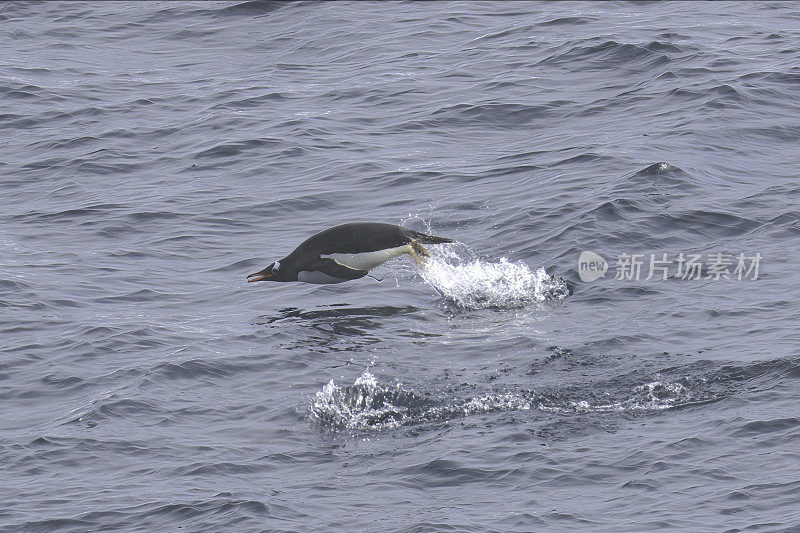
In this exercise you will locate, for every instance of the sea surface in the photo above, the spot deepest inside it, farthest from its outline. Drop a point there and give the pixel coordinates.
(152, 154)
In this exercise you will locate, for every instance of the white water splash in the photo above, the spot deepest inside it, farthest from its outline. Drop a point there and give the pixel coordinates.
(363, 405)
(474, 283)
(370, 405)
(653, 396)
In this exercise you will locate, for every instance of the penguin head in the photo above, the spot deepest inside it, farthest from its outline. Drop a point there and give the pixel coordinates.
(274, 272)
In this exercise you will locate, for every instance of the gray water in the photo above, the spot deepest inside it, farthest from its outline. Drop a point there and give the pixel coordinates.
(154, 154)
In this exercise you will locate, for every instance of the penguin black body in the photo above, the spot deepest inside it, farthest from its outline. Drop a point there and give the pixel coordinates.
(347, 252)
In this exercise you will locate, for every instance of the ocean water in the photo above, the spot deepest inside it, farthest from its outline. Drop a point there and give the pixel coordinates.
(152, 154)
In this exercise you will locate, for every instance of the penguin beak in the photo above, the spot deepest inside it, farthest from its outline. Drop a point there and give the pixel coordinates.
(260, 276)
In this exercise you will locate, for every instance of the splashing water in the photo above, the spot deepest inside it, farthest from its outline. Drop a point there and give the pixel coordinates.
(370, 405)
(365, 404)
(474, 283)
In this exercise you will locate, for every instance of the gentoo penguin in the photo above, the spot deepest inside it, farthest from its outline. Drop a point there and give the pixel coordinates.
(347, 252)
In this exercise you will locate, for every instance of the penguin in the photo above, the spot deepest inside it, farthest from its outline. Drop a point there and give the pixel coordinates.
(347, 252)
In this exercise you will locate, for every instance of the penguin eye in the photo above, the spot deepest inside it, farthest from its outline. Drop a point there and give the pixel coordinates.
(276, 267)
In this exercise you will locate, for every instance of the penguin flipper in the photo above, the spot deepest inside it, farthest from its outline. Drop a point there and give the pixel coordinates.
(338, 270)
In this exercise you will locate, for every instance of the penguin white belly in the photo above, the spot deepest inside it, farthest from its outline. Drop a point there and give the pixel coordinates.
(368, 260)
(313, 276)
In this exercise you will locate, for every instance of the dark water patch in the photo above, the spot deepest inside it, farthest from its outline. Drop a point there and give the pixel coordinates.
(140, 295)
(687, 95)
(55, 524)
(580, 159)
(130, 254)
(20, 327)
(253, 8)
(196, 369)
(788, 134)
(12, 285)
(449, 473)
(665, 47)
(516, 169)
(492, 113)
(522, 156)
(517, 30)
(727, 91)
(148, 216)
(66, 143)
(771, 77)
(401, 178)
(230, 149)
(610, 54)
(237, 266)
(114, 408)
(759, 428)
(115, 231)
(502, 85)
(769, 198)
(61, 381)
(52, 162)
(567, 21)
(341, 311)
(341, 329)
(224, 468)
(615, 210)
(710, 223)
(223, 508)
(21, 91)
(262, 211)
(253, 101)
(97, 168)
(785, 225)
(9, 117)
(189, 34)
(724, 97)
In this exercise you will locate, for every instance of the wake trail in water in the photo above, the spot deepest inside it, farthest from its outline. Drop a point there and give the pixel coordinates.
(471, 282)
(369, 404)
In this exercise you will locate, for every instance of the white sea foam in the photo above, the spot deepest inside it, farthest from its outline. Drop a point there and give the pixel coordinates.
(475, 283)
(365, 404)
(370, 405)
